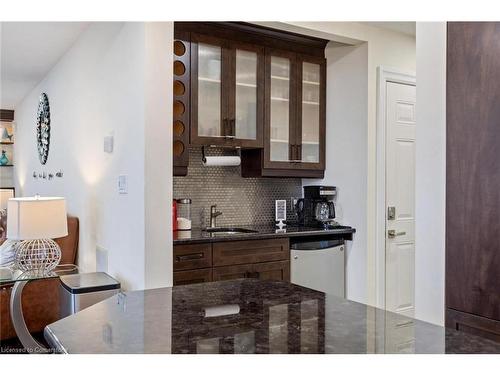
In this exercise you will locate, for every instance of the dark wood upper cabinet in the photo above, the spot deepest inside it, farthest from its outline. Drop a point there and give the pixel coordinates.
(473, 178)
(227, 92)
(260, 89)
(295, 118)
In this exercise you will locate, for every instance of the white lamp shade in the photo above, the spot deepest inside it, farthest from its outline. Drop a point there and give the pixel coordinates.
(34, 218)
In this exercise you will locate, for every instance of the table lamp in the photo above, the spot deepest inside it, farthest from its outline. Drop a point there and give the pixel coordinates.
(35, 221)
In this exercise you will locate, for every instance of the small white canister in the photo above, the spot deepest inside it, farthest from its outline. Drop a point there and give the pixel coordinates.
(184, 214)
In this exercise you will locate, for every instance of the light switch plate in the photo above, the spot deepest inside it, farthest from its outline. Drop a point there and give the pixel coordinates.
(108, 144)
(123, 184)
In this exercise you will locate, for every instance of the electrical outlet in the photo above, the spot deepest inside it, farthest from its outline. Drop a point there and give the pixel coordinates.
(101, 255)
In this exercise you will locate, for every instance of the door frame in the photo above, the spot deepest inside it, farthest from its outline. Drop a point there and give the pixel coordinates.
(384, 75)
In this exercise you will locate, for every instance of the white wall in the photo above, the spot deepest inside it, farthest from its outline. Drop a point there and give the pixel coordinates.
(158, 154)
(96, 89)
(430, 172)
(346, 153)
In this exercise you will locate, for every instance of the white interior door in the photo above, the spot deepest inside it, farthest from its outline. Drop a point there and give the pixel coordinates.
(400, 198)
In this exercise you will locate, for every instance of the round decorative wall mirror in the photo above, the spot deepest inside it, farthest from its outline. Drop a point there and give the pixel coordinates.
(43, 128)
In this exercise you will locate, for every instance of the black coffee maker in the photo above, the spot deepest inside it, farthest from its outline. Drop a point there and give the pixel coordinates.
(317, 208)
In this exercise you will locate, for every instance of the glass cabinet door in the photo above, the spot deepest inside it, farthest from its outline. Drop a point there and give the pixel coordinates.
(245, 122)
(229, 93)
(280, 109)
(209, 90)
(311, 83)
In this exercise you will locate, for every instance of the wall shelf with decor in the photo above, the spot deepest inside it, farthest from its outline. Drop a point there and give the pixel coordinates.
(7, 147)
(6, 154)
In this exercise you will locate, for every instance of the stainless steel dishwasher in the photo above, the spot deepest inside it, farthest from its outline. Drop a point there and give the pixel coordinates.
(319, 265)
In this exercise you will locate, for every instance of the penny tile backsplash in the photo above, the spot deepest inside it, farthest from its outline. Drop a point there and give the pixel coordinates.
(243, 201)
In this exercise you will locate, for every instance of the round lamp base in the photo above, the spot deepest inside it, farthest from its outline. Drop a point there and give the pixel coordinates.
(37, 255)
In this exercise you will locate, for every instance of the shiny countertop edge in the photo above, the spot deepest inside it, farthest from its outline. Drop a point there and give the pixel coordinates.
(200, 237)
(53, 342)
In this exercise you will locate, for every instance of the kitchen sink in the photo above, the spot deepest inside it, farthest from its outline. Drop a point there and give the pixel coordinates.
(229, 230)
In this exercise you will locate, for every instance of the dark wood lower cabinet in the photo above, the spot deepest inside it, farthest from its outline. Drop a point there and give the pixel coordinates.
(193, 276)
(473, 324)
(265, 271)
(190, 257)
(262, 259)
(249, 252)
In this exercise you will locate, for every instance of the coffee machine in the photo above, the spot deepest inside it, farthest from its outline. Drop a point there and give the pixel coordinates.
(317, 208)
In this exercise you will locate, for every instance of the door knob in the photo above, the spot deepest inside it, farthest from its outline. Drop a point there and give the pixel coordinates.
(391, 233)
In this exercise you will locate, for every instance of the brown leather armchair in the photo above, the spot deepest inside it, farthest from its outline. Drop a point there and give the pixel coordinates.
(40, 298)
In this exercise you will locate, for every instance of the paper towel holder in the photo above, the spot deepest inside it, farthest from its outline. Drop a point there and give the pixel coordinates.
(204, 159)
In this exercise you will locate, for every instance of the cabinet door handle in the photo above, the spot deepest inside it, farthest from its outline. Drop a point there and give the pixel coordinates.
(225, 126)
(252, 275)
(232, 123)
(294, 154)
(195, 256)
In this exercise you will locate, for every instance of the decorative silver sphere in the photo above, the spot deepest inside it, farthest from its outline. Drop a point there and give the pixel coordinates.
(37, 255)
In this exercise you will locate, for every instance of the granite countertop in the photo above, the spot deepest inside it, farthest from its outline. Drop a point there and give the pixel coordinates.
(262, 232)
(273, 317)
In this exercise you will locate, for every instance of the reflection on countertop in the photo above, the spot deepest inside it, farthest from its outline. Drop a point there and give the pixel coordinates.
(260, 232)
(249, 316)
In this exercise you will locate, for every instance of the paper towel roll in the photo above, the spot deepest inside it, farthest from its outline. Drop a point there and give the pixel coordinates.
(222, 161)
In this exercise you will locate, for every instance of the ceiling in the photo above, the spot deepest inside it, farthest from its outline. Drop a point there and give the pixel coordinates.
(28, 51)
(402, 27)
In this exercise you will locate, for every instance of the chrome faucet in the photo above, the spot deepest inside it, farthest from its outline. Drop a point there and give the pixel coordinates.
(213, 215)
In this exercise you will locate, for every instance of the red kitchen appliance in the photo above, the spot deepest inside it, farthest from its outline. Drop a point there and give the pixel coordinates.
(174, 215)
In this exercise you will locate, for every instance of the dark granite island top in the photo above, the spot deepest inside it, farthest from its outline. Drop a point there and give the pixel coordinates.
(261, 232)
(262, 317)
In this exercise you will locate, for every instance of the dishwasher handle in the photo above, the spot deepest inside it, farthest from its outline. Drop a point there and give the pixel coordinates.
(317, 245)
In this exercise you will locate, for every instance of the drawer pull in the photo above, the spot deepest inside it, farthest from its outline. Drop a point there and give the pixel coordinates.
(181, 258)
(252, 275)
